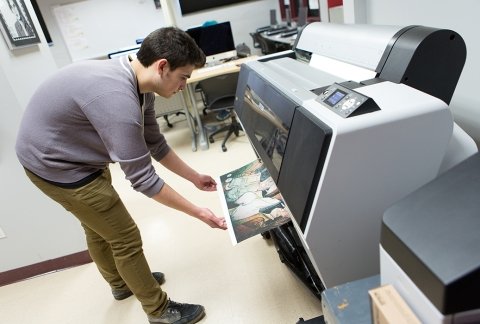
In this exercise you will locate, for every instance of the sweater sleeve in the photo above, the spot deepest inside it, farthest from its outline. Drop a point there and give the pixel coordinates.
(154, 139)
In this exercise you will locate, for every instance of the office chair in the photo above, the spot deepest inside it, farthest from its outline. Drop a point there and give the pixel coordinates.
(256, 42)
(218, 93)
(267, 46)
(169, 106)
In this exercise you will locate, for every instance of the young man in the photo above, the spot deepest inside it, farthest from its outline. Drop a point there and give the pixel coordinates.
(94, 113)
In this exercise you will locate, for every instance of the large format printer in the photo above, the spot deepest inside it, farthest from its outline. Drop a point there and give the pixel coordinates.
(349, 121)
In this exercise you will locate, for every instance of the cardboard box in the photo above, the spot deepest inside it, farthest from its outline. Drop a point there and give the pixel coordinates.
(388, 307)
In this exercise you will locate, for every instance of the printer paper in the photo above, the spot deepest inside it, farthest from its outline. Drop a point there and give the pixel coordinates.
(251, 202)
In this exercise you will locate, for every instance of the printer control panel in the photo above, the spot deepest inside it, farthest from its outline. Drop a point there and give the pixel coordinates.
(346, 102)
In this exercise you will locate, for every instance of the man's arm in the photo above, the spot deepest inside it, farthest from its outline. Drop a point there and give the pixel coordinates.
(169, 197)
(175, 164)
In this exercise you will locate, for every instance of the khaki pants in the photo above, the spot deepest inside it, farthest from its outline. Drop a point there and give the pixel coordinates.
(113, 239)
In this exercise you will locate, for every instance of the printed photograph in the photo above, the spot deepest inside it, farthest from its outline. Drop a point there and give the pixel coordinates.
(16, 24)
(252, 201)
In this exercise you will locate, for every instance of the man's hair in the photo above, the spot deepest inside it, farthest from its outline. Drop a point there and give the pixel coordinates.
(172, 44)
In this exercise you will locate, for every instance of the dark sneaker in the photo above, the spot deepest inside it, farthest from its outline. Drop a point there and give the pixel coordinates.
(222, 115)
(177, 313)
(122, 294)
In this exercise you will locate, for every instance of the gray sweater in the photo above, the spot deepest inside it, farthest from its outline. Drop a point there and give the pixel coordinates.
(86, 116)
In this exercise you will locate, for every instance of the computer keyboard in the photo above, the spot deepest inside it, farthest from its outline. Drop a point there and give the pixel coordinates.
(264, 28)
(289, 33)
(270, 28)
(233, 58)
(275, 31)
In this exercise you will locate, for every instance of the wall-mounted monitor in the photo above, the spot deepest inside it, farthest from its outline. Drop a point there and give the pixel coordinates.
(190, 6)
(216, 41)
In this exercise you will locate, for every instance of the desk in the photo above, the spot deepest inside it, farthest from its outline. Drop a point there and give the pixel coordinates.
(189, 95)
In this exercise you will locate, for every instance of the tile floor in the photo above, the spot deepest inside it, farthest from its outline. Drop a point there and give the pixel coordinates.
(243, 284)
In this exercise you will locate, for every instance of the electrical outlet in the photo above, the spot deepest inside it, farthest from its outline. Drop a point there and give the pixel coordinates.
(2, 233)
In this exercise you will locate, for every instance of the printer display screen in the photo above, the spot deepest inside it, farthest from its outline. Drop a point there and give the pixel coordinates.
(335, 97)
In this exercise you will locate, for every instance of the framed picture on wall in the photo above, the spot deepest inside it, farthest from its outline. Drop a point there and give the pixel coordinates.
(16, 24)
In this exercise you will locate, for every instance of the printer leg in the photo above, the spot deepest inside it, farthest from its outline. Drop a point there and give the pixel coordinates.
(292, 253)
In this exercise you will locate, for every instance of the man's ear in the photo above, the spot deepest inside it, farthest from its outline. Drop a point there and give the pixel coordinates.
(161, 65)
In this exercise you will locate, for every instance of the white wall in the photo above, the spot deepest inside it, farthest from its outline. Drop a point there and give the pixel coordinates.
(142, 16)
(36, 229)
(460, 16)
(93, 28)
(244, 17)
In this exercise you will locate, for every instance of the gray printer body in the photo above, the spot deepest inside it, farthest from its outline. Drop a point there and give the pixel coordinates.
(351, 120)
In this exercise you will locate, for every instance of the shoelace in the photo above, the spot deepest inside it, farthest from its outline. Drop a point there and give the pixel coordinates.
(172, 311)
(172, 307)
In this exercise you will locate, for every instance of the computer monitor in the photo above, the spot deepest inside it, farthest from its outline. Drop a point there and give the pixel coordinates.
(124, 51)
(216, 41)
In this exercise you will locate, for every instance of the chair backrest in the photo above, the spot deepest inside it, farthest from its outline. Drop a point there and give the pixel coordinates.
(255, 36)
(267, 46)
(219, 87)
(166, 106)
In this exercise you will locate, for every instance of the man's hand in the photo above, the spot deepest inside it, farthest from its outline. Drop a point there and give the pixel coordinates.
(209, 218)
(205, 183)
(169, 197)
